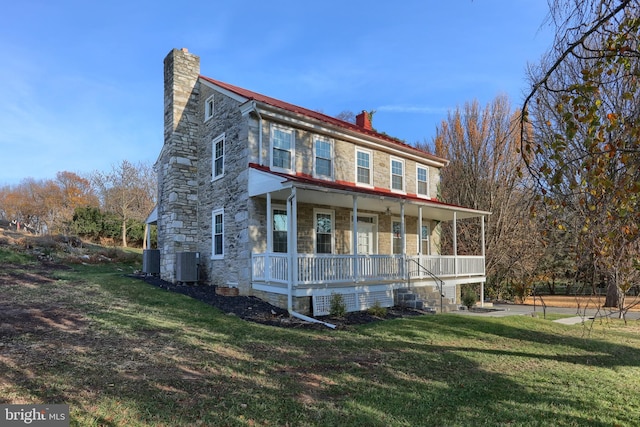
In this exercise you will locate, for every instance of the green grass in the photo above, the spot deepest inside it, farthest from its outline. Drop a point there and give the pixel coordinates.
(14, 257)
(121, 352)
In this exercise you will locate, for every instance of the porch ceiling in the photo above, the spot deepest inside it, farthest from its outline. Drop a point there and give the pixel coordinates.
(368, 199)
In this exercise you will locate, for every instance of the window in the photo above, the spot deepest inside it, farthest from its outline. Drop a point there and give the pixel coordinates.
(396, 229)
(283, 152)
(397, 174)
(217, 150)
(208, 108)
(218, 233)
(422, 181)
(324, 231)
(323, 155)
(363, 167)
(279, 230)
(424, 240)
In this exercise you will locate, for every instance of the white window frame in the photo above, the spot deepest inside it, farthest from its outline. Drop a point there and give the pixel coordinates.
(273, 209)
(421, 240)
(292, 150)
(316, 174)
(214, 214)
(403, 176)
(315, 228)
(426, 168)
(393, 238)
(215, 142)
(370, 154)
(209, 108)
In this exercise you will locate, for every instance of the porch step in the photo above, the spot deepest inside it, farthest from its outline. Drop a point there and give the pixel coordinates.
(404, 297)
(431, 300)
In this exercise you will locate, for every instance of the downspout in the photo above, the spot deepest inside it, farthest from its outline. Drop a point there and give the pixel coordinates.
(292, 240)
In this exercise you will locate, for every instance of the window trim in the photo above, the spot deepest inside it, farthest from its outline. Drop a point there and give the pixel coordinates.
(209, 108)
(315, 228)
(418, 193)
(215, 141)
(403, 176)
(420, 239)
(273, 209)
(214, 214)
(292, 150)
(329, 141)
(370, 154)
(402, 249)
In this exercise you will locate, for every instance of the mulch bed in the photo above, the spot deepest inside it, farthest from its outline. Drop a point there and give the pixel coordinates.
(254, 309)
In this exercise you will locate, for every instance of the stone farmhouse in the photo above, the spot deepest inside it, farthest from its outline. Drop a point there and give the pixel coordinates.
(265, 198)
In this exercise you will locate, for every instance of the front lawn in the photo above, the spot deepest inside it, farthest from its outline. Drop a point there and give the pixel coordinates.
(121, 352)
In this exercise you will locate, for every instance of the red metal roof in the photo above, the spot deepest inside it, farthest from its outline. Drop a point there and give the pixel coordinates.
(318, 116)
(349, 186)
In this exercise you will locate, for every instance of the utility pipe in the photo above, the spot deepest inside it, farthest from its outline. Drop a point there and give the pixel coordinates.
(291, 241)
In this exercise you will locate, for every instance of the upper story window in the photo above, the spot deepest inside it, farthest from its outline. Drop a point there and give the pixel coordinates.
(324, 230)
(422, 181)
(363, 167)
(397, 174)
(323, 154)
(208, 108)
(217, 220)
(217, 156)
(282, 148)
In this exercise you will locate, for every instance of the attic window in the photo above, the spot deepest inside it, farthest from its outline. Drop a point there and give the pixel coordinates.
(208, 108)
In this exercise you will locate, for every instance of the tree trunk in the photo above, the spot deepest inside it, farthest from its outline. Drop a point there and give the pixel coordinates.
(144, 238)
(613, 295)
(124, 233)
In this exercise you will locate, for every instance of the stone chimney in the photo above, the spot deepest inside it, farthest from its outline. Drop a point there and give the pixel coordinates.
(177, 165)
(364, 120)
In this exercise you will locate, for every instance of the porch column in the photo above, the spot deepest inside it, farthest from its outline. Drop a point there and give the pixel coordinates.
(403, 240)
(146, 244)
(420, 232)
(267, 258)
(354, 238)
(455, 242)
(292, 245)
(484, 272)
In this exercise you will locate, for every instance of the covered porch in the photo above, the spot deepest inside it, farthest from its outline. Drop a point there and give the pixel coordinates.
(384, 241)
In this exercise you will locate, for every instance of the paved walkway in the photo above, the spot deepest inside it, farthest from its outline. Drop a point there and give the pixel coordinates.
(579, 316)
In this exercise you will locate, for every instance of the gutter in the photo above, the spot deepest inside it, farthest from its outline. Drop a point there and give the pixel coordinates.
(291, 215)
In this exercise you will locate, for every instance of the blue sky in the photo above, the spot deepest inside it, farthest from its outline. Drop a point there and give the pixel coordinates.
(81, 81)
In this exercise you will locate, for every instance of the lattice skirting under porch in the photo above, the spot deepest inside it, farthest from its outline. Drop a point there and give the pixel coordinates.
(354, 301)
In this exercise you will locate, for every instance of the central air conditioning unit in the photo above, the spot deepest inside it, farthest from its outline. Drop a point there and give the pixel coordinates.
(187, 264)
(151, 261)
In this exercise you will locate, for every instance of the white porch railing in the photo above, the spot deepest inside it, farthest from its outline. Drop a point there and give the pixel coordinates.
(326, 269)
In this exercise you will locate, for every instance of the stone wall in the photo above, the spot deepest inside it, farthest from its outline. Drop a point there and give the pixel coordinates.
(177, 165)
(228, 192)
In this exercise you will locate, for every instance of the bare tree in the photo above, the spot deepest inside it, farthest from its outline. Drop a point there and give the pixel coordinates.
(128, 190)
(482, 147)
(583, 149)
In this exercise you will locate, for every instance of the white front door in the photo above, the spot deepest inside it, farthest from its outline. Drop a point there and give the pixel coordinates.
(367, 235)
